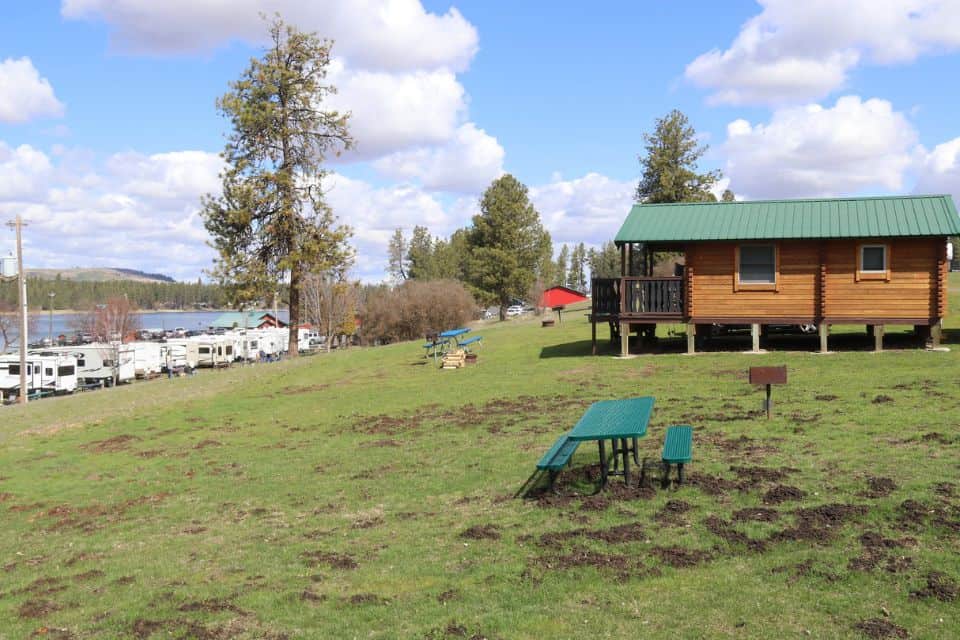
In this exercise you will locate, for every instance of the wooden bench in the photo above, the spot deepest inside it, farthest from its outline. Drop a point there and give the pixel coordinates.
(558, 456)
(677, 450)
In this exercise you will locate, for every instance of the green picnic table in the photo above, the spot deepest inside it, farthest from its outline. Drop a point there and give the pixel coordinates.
(622, 422)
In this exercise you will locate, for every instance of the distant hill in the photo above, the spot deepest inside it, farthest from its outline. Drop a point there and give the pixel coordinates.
(104, 274)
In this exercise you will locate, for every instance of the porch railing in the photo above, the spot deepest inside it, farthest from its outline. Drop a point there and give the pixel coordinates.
(638, 296)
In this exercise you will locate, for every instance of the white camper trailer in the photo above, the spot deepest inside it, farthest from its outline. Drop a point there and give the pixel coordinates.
(102, 363)
(179, 354)
(146, 359)
(214, 351)
(50, 373)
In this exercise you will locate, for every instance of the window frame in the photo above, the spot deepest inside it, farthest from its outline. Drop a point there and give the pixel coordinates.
(739, 285)
(882, 274)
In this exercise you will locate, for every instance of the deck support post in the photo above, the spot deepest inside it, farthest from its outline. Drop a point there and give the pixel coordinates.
(755, 336)
(691, 338)
(593, 333)
(624, 339)
(878, 337)
(824, 330)
(936, 333)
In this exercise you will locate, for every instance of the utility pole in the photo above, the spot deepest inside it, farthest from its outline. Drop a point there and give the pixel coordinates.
(18, 225)
(51, 295)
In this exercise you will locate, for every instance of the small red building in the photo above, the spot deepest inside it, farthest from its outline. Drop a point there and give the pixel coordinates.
(560, 297)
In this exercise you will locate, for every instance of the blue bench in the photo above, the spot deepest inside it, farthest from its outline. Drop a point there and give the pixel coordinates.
(677, 450)
(558, 456)
(466, 343)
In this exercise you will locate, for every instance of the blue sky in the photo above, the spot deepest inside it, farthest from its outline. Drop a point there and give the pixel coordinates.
(108, 133)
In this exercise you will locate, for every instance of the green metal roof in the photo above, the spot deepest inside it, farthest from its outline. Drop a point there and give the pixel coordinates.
(236, 319)
(891, 216)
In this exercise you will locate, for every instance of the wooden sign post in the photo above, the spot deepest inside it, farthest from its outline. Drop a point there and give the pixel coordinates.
(768, 376)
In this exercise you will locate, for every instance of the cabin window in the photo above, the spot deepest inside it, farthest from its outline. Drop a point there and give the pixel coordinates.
(65, 370)
(758, 264)
(873, 262)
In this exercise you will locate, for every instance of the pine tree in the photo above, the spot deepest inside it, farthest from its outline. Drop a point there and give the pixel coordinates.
(561, 270)
(670, 164)
(271, 221)
(397, 256)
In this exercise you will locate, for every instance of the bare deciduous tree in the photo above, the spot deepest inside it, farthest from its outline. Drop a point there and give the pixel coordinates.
(116, 319)
(10, 326)
(330, 304)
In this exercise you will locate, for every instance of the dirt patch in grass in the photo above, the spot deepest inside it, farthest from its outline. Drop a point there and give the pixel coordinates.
(916, 515)
(672, 513)
(111, 445)
(93, 574)
(382, 443)
(630, 532)
(481, 532)
(314, 388)
(93, 517)
(818, 524)
(52, 633)
(210, 605)
(725, 530)
(448, 596)
(944, 489)
(714, 485)
(37, 609)
(939, 585)
(782, 493)
(825, 397)
(203, 444)
(330, 559)
(803, 570)
(142, 628)
(936, 436)
(312, 596)
(368, 523)
(878, 488)
(681, 557)
(4, 496)
(755, 514)
(622, 565)
(880, 628)
(882, 399)
(455, 629)
(366, 598)
(757, 475)
(83, 557)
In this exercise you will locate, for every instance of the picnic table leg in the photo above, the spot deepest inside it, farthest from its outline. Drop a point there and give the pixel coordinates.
(626, 461)
(636, 460)
(615, 455)
(603, 463)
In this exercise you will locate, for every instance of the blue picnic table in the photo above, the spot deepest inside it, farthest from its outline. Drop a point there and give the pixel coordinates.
(622, 422)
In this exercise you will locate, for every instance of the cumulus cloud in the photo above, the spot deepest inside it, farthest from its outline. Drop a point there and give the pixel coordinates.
(24, 95)
(466, 163)
(589, 209)
(816, 151)
(132, 210)
(798, 51)
(939, 170)
(373, 34)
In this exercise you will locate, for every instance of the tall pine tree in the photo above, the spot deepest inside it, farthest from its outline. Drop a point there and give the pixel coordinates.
(670, 172)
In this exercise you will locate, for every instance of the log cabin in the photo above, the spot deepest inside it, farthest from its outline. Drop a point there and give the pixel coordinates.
(871, 261)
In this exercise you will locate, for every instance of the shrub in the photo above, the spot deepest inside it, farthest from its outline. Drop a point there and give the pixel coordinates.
(416, 308)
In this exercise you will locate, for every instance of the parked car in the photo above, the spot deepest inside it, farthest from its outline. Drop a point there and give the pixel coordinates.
(514, 310)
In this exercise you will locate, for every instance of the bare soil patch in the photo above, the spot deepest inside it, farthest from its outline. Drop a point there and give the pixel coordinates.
(203, 444)
(882, 399)
(783, 493)
(818, 524)
(672, 513)
(211, 605)
(630, 532)
(880, 628)
(37, 608)
(725, 530)
(111, 445)
(944, 489)
(481, 532)
(757, 475)
(447, 596)
(681, 557)
(330, 559)
(382, 443)
(367, 598)
(825, 397)
(878, 488)
(939, 585)
(755, 514)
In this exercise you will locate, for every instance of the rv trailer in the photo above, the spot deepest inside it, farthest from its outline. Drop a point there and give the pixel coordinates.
(52, 373)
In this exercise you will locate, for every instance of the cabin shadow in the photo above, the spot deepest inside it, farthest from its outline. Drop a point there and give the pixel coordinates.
(951, 336)
(576, 349)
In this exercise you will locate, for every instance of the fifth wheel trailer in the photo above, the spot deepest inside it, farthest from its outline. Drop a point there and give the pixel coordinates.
(56, 373)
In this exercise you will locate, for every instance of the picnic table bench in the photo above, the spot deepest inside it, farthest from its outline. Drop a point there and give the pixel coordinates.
(677, 450)
(558, 456)
(464, 344)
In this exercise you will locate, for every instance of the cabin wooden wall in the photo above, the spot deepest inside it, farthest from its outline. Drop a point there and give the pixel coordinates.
(817, 280)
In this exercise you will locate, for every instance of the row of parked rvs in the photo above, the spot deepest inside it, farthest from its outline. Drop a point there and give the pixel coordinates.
(60, 370)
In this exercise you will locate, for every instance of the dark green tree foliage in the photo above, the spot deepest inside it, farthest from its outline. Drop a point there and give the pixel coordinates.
(577, 275)
(605, 261)
(562, 261)
(507, 244)
(670, 172)
(397, 256)
(271, 221)
(420, 263)
(84, 294)
(728, 196)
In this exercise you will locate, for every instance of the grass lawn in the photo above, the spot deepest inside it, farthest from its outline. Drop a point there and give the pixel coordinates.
(367, 494)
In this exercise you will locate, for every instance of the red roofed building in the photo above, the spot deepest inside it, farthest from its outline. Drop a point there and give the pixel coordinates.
(560, 297)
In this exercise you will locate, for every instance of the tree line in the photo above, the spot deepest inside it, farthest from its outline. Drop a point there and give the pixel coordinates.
(82, 295)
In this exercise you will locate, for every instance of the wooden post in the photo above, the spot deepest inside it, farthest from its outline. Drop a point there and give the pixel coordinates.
(623, 261)
(824, 330)
(593, 333)
(755, 336)
(691, 338)
(624, 339)
(878, 337)
(936, 332)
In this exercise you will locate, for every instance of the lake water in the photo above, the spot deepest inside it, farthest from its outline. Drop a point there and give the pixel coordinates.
(66, 323)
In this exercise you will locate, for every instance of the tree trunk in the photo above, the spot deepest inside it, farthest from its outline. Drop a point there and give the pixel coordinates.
(293, 344)
(503, 312)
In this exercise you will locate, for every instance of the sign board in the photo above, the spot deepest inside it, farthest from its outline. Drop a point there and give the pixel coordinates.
(8, 266)
(768, 375)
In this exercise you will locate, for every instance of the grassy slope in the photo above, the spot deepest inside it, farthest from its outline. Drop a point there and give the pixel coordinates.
(224, 504)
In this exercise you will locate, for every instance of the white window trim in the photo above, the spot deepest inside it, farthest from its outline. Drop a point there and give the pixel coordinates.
(768, 283)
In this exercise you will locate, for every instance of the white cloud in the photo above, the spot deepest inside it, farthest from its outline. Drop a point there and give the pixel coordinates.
(588, 209)
(797, 51)
(131, 210)
(939, 170)
(467, 163)
(817, 151)
(374, 34)
(24, 95)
